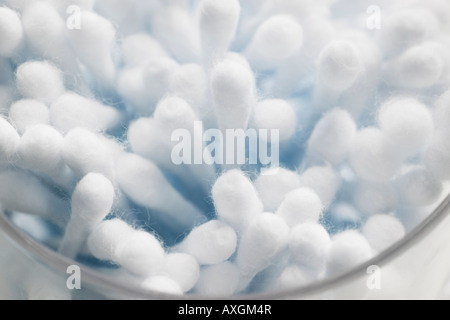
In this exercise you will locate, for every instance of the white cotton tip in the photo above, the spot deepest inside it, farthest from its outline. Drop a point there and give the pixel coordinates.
(345, 213)
(291, 278)
(26, 113)
(373, 156)
(11, 32)
(40, 149)
(182, 268)
(407, 123)
(9, 140)
(38, 199)
(218, 25)
(419, 187)
(40, 80)
(339, 66)
(236, 200)
(141, 254)
(173, 113)
(218, 280)
(190, 83)
(301, 206)
(137, 49)
(157, 77)
(162, 284)
(419, 67)
(144, 183)
(348, 249)
(273, 188)
(325, 181)
(276, 115)
(92, 201)
(152, 147)
(332, 137)
(266, 236)
(84, 152)
(174, 27)
(93, 43)
(106, 237)
(46, 31)
(405, 28)
(276, 39)
(130, 86)
(375, 198)
(441, 112)
(309, 244)
(438, 154)
(232, 87)
(71, 110)
(211, 243)
(383, 231)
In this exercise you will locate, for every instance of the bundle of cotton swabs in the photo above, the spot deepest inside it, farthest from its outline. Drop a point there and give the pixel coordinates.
(100, 98)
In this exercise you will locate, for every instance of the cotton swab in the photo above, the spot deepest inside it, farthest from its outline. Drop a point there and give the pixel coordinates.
(274, 186)
(145, 184)
(236, 200)
(182, 268)
(84, 152)
(92, 201)
(9, 140)
(40, 149)
(211, 243)
(348, 250)
(324, 181)
(46, 33)
(175, 29)
(39, 200)
(233, 94)
(137, 49)
(309, 244)
(419, 67)
(266, 236)
(278, 38)
(276, 114)
(24, 114)
(301, 206)
(375, 198)
(332, 137)
(339, 66)
(93, 44)
(218, 24)
(162, 285)
(373, 156)
(382, 231)
(40, 80)
(71, 111)
(11, 32)
(418, 186)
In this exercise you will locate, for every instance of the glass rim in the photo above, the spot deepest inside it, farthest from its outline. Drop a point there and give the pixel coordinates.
(123, 290)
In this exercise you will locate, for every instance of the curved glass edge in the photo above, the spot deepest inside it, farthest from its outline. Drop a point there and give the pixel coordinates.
(103, 284)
